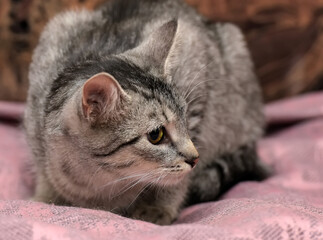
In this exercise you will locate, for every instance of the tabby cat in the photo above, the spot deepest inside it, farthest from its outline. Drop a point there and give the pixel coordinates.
(124, 101)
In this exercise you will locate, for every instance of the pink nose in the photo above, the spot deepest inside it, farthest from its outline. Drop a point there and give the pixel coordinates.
(196, 161)
(192, 162)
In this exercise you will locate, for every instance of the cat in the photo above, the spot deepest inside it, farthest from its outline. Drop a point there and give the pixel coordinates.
(140, 108)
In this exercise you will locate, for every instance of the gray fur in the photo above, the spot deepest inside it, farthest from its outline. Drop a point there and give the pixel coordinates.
(174, 70)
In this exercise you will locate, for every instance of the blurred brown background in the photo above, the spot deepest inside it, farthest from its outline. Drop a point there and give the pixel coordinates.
(285, 38)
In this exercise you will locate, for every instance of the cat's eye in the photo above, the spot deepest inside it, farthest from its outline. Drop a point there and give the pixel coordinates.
(157, 135)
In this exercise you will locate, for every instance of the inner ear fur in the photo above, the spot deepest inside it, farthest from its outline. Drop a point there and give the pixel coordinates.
(102, 97)
(158, 49)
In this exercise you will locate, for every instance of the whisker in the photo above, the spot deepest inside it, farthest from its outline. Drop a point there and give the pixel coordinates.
(129, 186)
(121, 179)
(148, 184)
(192, 100)
(196, 75)
(93, 175)
(133, 184)
(162, 176)
(198, 84)
(114, 183)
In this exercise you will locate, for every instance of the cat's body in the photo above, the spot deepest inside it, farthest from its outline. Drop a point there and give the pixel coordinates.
(101, 80)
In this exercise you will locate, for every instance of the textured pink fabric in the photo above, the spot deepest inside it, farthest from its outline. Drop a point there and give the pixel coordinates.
(288, 205)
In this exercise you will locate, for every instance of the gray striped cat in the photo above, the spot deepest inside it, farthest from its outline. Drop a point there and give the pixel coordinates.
(124, 100)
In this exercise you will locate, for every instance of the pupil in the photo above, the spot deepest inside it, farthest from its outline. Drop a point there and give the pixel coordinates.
(154, 134)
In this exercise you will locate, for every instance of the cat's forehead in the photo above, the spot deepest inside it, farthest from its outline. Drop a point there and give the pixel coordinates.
(152, 113)
(149, 87)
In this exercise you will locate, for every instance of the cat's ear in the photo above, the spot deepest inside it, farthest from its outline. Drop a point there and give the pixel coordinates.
(102, 97)
(154, 52)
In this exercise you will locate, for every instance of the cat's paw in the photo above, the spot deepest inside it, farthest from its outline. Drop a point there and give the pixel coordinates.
(157, 215)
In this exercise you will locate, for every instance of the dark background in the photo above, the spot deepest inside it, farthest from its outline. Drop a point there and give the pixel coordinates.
(285, 38)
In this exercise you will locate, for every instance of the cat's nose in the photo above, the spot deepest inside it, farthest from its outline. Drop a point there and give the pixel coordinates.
(192, 161)
(190, 153)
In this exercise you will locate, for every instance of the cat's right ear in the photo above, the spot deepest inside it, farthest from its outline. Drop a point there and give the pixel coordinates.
(102, 98)
(157, 50)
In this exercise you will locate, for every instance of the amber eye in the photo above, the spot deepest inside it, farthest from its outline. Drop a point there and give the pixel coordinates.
(156, 136)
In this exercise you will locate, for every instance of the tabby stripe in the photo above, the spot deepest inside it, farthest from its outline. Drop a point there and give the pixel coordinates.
(165, 117)
(120, 166)
(128, 75)
(133, 141)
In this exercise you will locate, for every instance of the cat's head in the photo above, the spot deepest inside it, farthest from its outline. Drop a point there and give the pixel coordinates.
(128, 118)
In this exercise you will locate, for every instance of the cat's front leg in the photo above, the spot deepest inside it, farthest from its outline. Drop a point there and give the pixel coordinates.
(219, 174)
(161, 206)
(161, 215)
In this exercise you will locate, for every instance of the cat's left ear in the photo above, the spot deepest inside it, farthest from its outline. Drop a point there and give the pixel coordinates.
(157, 51)
(102, 97)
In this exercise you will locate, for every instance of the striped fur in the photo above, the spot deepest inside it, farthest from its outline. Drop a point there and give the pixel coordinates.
(177, 71)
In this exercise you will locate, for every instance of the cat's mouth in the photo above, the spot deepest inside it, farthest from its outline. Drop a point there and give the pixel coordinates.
(177, 172)
(174, 177)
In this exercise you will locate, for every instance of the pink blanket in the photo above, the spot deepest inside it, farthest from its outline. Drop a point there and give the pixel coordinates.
(288, 205)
